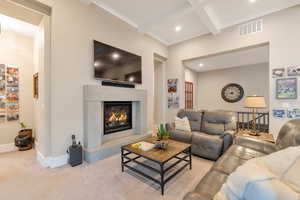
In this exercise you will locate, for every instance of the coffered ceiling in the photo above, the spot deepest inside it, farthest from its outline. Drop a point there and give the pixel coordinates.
(191, 18)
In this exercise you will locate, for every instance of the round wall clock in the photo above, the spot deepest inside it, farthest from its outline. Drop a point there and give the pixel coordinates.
(232, 93)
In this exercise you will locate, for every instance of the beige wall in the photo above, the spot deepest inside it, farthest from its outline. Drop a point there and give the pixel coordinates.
(281, 30)
(74, 26)
(253, 79)
(17, 50)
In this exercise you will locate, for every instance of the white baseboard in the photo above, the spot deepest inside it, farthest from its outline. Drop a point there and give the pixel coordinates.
(52, 162)
(8, 148)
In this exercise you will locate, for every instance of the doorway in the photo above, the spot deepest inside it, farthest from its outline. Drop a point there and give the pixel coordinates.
(25, 34)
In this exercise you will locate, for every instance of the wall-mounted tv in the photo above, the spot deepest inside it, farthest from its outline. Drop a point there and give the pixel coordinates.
(114, 64)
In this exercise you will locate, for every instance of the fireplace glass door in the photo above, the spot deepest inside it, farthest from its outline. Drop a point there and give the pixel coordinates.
(117, 116)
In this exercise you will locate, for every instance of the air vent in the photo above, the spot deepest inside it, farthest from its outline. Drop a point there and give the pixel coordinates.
(251, 27)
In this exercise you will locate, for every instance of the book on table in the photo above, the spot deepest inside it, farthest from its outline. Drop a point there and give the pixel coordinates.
(145, 146)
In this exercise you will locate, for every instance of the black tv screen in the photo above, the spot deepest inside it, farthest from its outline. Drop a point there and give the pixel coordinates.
(111, 63)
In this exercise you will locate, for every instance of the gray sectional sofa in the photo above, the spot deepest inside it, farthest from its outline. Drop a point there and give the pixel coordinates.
(243, 150)
(212, 132)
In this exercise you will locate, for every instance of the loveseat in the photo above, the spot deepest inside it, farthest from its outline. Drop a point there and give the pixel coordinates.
(243, 150)
(212, 132)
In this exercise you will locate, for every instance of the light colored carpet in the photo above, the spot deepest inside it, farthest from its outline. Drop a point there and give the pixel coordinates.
(21, 177)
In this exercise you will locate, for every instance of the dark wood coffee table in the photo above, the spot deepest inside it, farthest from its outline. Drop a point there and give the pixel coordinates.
(176, 150)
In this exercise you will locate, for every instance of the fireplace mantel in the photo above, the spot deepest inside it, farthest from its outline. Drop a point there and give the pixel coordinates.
(97, 145)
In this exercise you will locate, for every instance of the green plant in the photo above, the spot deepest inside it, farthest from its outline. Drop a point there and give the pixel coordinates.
(23, 126)
(162, 132)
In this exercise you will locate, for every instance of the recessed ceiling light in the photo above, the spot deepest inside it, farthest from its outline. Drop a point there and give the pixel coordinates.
(201, 64)
(97, 63)
(178, 28)
(252, 1)
(115, 56)
(131, 79)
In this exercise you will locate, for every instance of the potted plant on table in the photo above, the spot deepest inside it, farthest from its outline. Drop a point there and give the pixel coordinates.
(24, 139)
(162, 137)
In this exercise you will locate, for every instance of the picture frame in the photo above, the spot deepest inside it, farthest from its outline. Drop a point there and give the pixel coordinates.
(36, 85)
(172, 85)
(286, 88)
(278, 72)
(293, 113)
(293, 71)
(279, 113)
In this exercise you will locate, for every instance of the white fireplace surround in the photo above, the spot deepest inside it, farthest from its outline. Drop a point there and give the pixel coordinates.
(97, 145)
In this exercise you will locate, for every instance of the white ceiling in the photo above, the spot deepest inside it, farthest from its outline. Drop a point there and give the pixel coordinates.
(245, 57)
(158, 18)
(18, 26)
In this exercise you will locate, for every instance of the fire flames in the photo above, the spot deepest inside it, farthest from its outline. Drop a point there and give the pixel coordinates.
(117, 117)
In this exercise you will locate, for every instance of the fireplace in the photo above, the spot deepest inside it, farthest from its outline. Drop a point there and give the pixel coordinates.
(117, 116)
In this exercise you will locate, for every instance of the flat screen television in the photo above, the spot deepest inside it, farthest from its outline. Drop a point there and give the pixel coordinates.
(115, 64)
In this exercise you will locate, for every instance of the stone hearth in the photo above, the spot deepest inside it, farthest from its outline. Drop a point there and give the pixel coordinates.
(97, 145)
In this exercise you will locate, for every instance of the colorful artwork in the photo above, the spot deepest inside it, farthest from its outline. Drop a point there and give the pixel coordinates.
(278, 73)
(2, 79)
(2, 117)
(12, 77)
(293, 71)
(173, 100)
(172, 85)
(173, 97)
(279, 113)
(12, 110)
(286, 88)
(293, 113)
(2, 109)
(12, 95)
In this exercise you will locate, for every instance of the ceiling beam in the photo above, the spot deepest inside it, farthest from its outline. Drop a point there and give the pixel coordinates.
(208, 21)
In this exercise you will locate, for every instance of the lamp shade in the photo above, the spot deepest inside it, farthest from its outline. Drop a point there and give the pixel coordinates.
(255, 102)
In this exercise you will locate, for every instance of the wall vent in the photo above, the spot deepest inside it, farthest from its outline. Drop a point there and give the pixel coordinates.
(251, 27)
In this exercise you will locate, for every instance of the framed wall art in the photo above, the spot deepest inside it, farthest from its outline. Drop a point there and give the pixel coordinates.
(293, 71)
(286, 88)
(173, 96)
(278, 72)
(279, 113)
(36, 85)
(293, 113)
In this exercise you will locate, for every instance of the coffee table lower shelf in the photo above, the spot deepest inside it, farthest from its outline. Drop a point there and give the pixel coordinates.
(187, 158)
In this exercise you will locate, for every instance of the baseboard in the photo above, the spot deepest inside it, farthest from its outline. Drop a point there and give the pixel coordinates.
(8, 148)
(52, 162)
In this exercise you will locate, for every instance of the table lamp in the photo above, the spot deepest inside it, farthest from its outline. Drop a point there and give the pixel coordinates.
(254, 103)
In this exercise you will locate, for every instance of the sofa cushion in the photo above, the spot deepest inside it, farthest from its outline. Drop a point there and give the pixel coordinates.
(228, 163)
(212, 128)
(244, 152)
(207, 146)
(195, 118)
(182, 136)
(216, 122)
(211, 183)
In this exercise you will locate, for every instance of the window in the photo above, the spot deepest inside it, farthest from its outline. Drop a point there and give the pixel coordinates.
(189, 95)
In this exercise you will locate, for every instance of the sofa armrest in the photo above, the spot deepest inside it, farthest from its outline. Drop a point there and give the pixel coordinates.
(195, 196)
(255, 144)
(227, 140)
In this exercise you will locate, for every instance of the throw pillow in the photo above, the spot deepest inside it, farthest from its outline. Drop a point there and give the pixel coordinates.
(182, 124)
